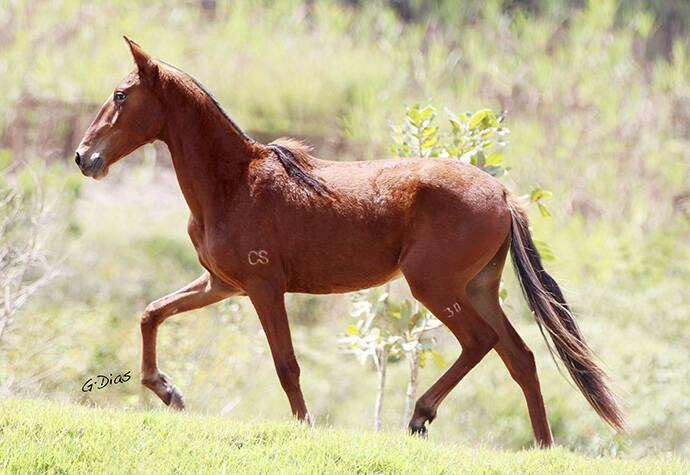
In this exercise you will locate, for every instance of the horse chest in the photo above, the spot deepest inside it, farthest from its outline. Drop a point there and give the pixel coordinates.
(234, 254)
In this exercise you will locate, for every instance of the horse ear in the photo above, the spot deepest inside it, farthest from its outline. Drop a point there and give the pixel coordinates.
(147, 66)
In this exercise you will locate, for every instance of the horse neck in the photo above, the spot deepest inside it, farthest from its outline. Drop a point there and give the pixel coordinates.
(208, 152)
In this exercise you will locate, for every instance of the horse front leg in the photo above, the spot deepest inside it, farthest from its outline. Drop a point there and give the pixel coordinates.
(270, 306)
(205, 290)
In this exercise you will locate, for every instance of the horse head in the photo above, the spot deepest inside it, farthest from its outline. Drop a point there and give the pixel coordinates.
(131, 117)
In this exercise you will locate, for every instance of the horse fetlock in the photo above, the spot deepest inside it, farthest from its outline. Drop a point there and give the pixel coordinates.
(162, 385)
(150, 381)
(423, 412)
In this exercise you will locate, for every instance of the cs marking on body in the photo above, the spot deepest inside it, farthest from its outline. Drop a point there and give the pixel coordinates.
(259, 256)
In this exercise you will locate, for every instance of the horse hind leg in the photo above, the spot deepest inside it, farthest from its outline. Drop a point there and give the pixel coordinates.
(475, 336)
(518, 358)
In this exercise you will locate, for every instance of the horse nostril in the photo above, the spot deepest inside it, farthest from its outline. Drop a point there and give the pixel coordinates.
(77, 158)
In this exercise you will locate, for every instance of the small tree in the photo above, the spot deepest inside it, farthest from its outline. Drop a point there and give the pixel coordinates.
(387, 329)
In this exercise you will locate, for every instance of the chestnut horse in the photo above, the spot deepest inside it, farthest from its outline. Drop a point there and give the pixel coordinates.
(271, 219)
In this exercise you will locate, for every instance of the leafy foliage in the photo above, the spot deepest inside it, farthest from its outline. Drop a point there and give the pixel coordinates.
(469, 140)
(401, 333)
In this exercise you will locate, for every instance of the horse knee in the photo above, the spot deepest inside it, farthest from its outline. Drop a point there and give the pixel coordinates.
(150, 317)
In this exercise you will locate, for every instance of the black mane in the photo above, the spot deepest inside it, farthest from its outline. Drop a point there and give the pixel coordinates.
(292, 166)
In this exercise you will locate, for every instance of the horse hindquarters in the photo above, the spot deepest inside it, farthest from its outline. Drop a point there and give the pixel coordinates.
(452, 242)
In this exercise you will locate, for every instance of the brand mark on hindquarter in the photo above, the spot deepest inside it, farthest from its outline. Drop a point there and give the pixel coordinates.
(259, 256)
(452, 310)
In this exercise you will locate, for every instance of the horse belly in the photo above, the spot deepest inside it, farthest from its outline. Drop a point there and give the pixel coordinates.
(344, 264)
(340, 280)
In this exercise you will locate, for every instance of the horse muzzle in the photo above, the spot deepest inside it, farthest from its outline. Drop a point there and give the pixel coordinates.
(92, 166)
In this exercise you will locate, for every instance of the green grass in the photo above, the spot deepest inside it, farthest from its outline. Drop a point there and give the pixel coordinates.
(48, 437)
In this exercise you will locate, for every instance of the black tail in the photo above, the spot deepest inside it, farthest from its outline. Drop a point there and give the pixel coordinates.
(551, 311)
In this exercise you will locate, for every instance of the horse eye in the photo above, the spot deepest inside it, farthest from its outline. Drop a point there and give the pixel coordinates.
(119, 96)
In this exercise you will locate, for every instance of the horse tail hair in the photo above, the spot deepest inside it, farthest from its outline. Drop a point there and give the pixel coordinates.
(552, 312)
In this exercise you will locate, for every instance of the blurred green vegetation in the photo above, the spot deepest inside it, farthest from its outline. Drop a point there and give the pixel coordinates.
(598, 99)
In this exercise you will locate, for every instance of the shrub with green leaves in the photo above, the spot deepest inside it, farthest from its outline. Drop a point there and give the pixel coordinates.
(472, 137)
(388, 330)
(400, 331)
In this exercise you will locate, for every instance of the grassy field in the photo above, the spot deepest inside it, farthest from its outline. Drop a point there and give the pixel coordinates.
(48, 437)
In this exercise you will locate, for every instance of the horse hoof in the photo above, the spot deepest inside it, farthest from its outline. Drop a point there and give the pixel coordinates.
(175, 398)
(307, 420)
(166, 390)
(419, 431)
